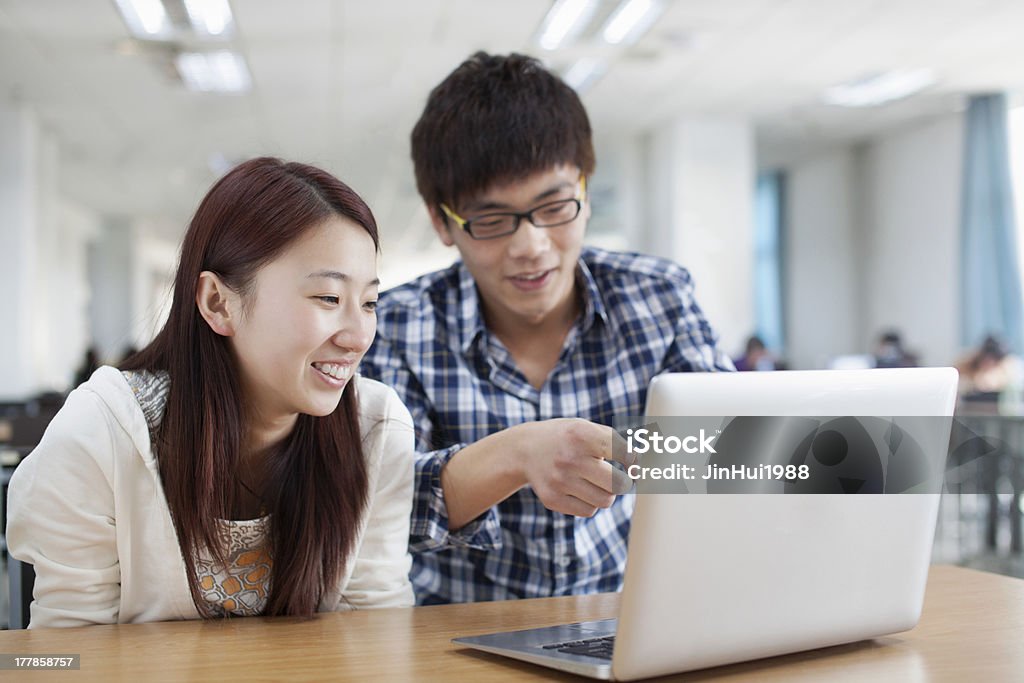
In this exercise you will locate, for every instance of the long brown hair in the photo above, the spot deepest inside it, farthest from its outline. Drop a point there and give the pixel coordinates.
(317, 480)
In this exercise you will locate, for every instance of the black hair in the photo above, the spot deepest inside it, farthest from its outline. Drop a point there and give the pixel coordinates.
(494, 119)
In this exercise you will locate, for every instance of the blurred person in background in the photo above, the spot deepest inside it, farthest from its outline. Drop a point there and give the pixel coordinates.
(890, 352)
(90, 363)
(988, 371)
(756, 357)
(127, 352)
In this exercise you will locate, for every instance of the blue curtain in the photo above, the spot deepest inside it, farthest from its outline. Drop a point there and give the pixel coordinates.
(768, 260)
(990, 275)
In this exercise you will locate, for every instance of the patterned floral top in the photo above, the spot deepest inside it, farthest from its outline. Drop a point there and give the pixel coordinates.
(241, 588)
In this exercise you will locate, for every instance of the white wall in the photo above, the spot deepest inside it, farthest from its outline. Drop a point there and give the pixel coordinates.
(617, 194)
(43, 272)
(67, 279)
(19, 154)
(699, 212)
(872, 243)
(821, 260)
(111, 281)
(46, 286)
(911, 268)
(131, 272)
(155, 262)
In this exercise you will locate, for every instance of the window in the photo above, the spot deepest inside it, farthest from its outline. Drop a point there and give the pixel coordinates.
(1015, 118)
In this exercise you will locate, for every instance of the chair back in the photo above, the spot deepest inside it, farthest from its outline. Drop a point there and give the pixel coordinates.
(21, 577)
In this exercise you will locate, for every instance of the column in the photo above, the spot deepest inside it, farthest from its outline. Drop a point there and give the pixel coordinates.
(19, 138)
(698, 211)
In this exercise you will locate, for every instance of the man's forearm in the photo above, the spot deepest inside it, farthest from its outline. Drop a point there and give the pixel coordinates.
(480, 476)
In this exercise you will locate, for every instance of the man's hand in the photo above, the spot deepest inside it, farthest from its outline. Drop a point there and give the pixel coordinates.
(567, 462)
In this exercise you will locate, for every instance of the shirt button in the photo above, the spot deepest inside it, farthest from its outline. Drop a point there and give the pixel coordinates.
(563, 561)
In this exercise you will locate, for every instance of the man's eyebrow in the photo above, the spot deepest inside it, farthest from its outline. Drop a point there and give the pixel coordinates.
(338, 275)
(487, 205)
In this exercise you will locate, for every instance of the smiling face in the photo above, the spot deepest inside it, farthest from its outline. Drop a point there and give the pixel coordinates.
(306, 323)
(527, 278)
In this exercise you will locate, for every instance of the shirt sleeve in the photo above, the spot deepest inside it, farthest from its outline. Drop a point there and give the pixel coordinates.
(62, 520)
(428, 530)
(695, 346)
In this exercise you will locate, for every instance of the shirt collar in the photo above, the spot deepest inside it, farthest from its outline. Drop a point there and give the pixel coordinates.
(593, 302)
(470, 317)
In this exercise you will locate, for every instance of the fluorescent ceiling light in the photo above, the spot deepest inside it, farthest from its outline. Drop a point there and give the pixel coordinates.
(564, 21)
(210, 17)
(584, 73)
(222, 71)
(145, 18)
(877, 89)
(631, 20)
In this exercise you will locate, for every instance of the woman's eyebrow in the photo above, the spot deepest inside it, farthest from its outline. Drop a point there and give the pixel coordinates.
(338, 275)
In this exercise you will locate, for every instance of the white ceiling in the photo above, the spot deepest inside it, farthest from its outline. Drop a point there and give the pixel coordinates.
(341, 82)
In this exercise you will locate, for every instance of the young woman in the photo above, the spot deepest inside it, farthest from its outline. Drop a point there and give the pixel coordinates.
(237, 465)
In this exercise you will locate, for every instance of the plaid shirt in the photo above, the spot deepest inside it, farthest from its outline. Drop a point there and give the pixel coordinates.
(461, 384)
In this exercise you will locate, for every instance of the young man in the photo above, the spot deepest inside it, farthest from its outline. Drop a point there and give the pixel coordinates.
(515, 360)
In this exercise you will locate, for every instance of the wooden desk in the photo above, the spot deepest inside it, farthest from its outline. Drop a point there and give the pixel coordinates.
(972, 629)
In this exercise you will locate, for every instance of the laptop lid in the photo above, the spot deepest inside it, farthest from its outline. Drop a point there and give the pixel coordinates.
(716, 579)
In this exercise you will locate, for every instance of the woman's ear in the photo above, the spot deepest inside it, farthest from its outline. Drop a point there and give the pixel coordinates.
(217, 304)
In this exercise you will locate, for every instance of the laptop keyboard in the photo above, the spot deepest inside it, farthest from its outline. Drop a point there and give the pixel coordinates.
(600, 648)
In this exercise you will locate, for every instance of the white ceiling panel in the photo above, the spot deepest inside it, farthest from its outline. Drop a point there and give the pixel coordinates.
(341, 82)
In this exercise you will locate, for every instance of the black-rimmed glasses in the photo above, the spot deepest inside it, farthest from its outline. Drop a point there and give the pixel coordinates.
(500, 223)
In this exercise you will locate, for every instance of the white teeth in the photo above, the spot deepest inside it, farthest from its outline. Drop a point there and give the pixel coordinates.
(532, 277)
(334, 370)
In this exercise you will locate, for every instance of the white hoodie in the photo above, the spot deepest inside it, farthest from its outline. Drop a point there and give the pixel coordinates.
(87, 509)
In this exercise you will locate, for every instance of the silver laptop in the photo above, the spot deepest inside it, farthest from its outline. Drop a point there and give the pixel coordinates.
(718, 579)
